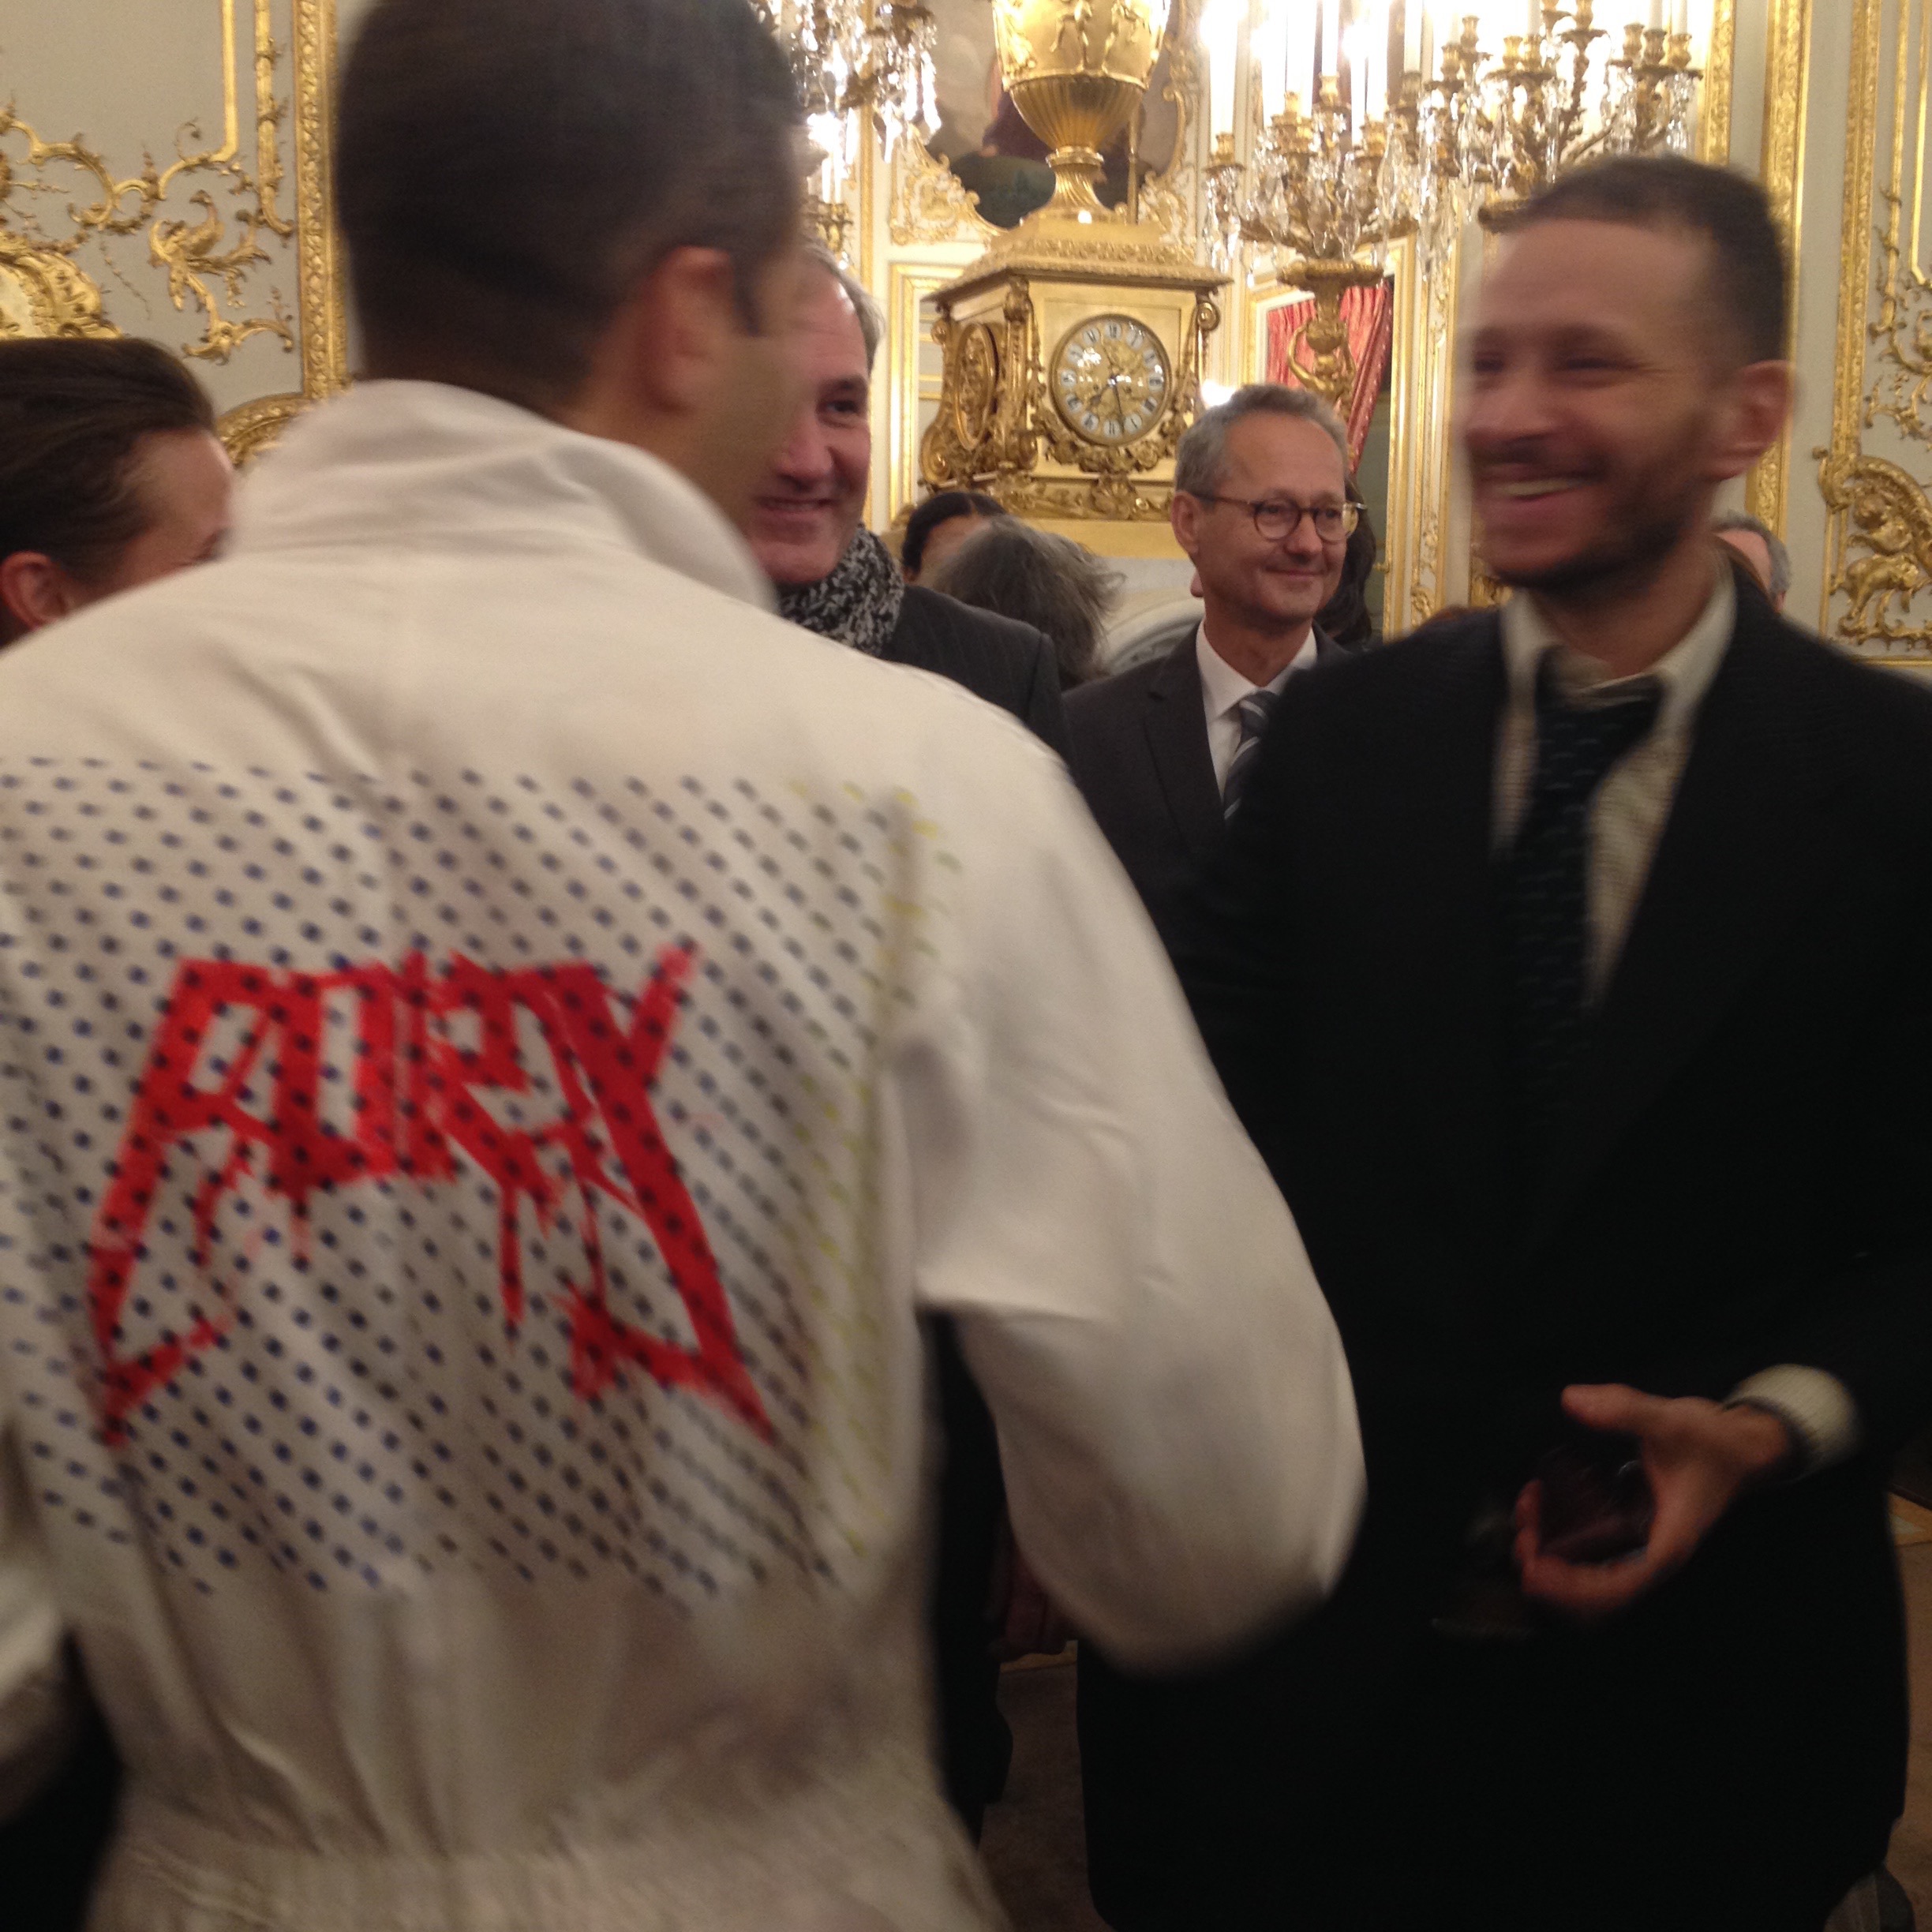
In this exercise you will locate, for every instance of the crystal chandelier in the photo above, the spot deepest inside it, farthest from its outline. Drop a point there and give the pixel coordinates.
(863, 67)
(1346, 161)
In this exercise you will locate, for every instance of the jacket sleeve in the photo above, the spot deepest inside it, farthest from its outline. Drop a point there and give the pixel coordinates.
(1176, 1422)
(1044, 714)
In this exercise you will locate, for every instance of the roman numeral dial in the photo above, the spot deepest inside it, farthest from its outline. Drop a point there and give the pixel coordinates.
(1111, 379)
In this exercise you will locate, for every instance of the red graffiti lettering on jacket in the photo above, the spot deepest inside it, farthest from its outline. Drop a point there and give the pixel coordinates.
(416, 1099)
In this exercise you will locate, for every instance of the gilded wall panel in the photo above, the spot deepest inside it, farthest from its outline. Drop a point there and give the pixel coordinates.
(1874, 473)
(163, 172)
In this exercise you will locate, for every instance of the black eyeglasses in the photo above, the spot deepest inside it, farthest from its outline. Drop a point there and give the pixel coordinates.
(1276, 518)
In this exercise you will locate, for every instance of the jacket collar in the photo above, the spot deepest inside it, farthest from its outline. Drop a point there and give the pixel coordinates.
(415, 463)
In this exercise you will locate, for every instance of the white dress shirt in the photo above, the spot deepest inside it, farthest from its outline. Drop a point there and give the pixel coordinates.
(501, 1040)
(1222, 689)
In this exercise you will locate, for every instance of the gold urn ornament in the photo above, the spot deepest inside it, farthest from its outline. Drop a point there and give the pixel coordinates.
(1077, 70)
(1074, 346)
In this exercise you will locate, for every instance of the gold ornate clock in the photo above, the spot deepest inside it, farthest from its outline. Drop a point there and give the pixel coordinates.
(1073, 347)
(1111, 378)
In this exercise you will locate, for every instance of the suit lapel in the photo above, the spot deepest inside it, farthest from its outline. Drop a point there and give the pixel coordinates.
(1747, 843)
(1433, 874)
(1177, 733)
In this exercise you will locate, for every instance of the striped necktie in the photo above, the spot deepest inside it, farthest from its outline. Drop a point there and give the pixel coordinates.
(1254, 711)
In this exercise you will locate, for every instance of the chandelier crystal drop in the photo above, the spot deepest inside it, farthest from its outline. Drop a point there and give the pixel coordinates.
(863, 67)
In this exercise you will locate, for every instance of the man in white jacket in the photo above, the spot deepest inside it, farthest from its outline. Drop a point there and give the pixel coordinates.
(499, 1040)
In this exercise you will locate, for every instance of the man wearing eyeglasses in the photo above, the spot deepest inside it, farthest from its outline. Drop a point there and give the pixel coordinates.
(1162, 752)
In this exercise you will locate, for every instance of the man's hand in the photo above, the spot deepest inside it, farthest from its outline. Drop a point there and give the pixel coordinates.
(1698, 1460)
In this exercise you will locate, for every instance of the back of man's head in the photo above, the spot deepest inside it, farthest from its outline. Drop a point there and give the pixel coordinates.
(507, 172)
(1746, 288)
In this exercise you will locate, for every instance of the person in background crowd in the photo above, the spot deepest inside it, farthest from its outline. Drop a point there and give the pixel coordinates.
(519, 1036)
(939, 526)
(1346, 619)
(111, 474)
(1763, 552)
(1605, 920)
(833, 575)
(836, 578)
(1160, 752)
(1059, 587)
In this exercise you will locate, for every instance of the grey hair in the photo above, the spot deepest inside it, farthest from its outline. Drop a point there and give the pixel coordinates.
(871, 317)
(1200, 462)
(1774, 548)
(1057, 585)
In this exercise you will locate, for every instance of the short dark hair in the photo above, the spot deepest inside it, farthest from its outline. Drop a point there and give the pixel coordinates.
(942, 508)
(1749, 284)
(506, 170)
(72, 411)
(1057, 585)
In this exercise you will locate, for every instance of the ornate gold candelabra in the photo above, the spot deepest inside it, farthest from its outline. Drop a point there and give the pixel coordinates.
(1322, 203)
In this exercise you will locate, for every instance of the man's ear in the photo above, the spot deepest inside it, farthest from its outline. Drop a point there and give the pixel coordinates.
(35, 590)
(1185, 513)
(668, 345)
(1755, 410)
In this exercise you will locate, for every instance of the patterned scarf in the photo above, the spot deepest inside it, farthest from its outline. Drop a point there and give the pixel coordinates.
(858, 604)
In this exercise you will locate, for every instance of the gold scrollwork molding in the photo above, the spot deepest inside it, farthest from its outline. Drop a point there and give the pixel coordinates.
(1714, 113)
(930, 203)
(1878, 546)
(1787, 62)
(214, 225)
(207, 260)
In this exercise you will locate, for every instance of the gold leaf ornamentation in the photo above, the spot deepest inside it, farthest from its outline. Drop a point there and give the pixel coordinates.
(930, 203)
(1887, 548)
(207, 261)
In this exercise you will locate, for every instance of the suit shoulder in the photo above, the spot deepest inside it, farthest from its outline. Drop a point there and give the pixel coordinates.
(1115, 695)
(1442, 653)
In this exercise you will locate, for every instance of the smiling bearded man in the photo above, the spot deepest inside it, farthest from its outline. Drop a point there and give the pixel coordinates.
(1568, 963)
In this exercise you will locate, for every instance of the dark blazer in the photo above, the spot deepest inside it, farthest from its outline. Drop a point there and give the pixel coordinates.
(1139, 753)
(1007, 664)
(1743, 1181)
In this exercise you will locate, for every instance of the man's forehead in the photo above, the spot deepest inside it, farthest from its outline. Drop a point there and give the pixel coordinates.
(1285, 453)
(828, 325)
(1615, 273)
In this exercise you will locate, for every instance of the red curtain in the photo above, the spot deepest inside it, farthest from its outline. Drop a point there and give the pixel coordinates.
(1368, 315)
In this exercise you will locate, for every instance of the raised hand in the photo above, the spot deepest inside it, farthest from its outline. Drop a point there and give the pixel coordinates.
(1697, 1457)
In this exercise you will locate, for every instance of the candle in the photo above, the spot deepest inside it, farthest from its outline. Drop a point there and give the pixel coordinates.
(1298, 37)
(1680, 17)
(1414, 14)
(1219, 28)
(1656, 13)
(1331, 36)
(1268, 41)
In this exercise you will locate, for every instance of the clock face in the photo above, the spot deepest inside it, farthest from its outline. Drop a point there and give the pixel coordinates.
(1111, 378)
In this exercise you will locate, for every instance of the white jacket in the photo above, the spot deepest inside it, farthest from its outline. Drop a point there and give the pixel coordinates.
(499, 1037)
